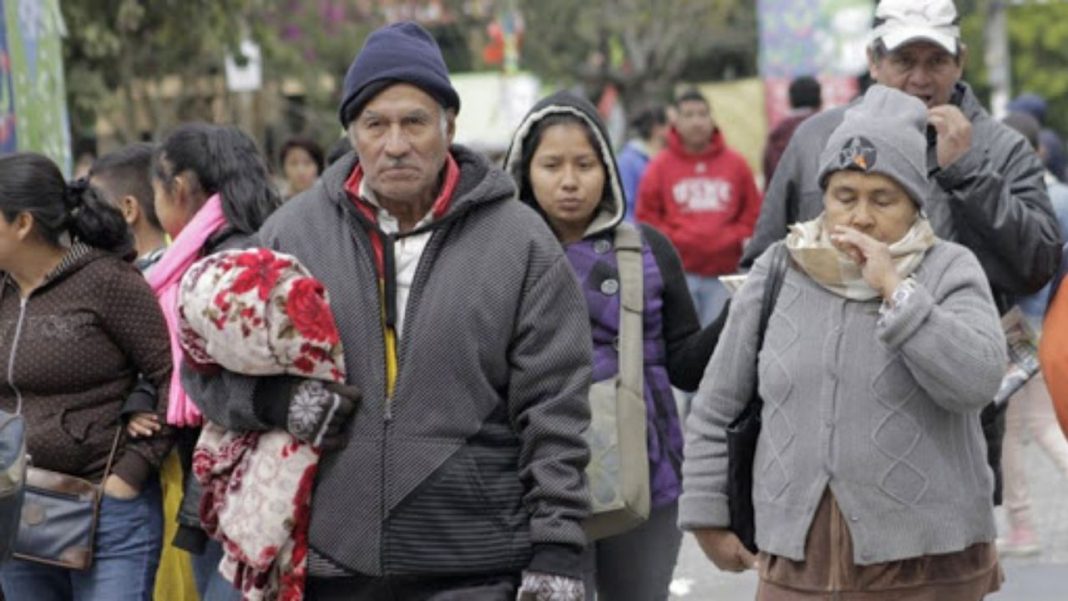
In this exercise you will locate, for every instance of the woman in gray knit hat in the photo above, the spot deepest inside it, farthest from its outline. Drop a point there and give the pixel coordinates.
(870, 477)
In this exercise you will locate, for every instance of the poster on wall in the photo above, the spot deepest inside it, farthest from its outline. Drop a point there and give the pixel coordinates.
(33, 95)
(823, 38)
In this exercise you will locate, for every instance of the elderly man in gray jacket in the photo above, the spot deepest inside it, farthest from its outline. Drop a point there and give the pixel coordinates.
(461, 469)
(986, 188)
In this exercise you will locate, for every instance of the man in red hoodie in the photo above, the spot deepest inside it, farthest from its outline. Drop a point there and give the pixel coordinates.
(702, 195)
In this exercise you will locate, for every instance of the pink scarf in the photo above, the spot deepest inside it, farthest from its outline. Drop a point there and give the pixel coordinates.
(165, 278)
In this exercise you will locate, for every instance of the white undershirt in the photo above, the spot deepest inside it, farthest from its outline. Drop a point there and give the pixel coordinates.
(406, 251)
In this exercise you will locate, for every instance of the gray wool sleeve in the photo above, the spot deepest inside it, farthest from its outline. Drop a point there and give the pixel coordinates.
(950, 337)
(724, 392)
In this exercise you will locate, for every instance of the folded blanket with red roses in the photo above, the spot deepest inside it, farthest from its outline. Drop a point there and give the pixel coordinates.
(258, 312)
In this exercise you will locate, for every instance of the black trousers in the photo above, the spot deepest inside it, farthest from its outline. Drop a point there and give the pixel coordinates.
(493, 587)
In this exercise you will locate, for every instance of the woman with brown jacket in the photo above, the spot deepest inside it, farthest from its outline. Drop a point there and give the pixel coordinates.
(78, 324)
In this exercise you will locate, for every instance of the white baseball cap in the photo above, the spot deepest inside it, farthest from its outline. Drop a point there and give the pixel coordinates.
(898, 22)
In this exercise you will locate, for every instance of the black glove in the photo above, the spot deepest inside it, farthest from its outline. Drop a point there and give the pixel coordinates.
(319, 411)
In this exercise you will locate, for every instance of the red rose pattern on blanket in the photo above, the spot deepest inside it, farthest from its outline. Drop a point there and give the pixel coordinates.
(257, 312)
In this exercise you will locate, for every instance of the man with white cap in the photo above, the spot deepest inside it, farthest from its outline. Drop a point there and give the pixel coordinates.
(986, 182)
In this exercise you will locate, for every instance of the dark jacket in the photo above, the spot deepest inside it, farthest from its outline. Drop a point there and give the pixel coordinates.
(992, 200)
(675, 349)
(779, 138)
(73, 351)
(475, 463)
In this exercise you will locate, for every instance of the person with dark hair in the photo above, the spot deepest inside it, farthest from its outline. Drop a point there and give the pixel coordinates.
(1050, 145)
(1030, 104)
(805, 101)
(651, 127)
(461, 474)
(562, 161)
(80, 324)
(124, 178)
(302, 162)
(212, 192)
(702, 195)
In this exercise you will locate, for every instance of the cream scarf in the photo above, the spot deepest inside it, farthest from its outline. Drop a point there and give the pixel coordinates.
(810, 246)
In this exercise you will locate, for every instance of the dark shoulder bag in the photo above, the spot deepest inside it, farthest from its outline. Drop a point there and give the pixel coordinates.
(59, 516)
(743, 432)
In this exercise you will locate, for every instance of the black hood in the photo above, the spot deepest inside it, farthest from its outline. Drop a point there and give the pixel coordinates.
(611, 213)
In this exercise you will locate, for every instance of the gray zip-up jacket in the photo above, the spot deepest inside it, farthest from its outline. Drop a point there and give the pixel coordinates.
(992, 200)
(883, 411)
(476, 463)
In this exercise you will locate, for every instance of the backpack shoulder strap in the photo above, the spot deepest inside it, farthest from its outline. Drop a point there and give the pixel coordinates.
(628, 246)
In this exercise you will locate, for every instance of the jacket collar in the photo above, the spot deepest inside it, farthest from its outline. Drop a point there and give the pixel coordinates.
(479, 183)
(77, 256)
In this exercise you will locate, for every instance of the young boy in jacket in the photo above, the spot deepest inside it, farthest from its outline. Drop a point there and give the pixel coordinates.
(701, 194)
(122, 177)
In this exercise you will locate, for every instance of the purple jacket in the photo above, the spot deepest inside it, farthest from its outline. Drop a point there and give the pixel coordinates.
(595, 265)
(676, 350)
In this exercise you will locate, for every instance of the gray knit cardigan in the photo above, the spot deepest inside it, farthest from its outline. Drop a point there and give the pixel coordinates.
(884, 412)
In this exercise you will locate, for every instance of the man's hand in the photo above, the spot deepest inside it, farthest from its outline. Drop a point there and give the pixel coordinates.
(725, 550)
(319, 411)
(954, 133)
(143, 425)
(873, 256)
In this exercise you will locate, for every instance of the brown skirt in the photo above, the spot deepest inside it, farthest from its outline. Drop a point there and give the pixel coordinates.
(828, 571)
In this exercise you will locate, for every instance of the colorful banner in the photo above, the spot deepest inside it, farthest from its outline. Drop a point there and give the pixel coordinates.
(34, 97)
(822, 38)
(8, 136)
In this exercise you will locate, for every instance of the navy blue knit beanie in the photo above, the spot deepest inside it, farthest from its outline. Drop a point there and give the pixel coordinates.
(398, 53)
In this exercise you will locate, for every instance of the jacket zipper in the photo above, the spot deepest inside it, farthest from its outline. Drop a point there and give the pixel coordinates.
(388, 299)
(390, 316)
(366, 228)
(14, 351)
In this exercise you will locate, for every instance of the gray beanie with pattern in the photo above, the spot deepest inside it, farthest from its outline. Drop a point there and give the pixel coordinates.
(884, 133)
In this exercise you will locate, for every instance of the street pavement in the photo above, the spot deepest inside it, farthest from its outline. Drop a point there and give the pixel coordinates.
(1040, 578)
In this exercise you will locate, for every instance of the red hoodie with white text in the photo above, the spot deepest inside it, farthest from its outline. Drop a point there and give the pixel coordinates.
(706, 203)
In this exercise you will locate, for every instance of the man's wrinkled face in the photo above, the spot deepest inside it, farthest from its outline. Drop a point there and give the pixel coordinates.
(402, 138)
(922, 69)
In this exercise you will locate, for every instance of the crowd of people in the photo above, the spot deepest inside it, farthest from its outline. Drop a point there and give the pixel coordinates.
(494, 321)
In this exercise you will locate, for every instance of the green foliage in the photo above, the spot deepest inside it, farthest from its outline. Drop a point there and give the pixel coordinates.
(1038, 45)
(1038, 36)
(641, 46)
(114, 43)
